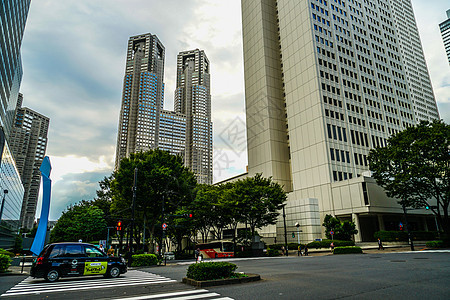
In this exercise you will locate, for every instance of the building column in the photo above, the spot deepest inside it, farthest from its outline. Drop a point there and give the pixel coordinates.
(355, 219)
(380, 222)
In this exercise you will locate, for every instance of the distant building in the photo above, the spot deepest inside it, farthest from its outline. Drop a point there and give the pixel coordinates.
(445, 31)
(13, 15)
(325, 82)
(28, 145)
(144, 125)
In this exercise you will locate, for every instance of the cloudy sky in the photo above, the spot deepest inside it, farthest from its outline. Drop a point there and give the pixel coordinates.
(73, 56)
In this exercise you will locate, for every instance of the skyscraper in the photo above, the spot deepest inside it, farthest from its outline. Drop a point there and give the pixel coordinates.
(326, 81)
(144, 124)
(13, 15)
(193, 99)
(445, 31)
(28, 144)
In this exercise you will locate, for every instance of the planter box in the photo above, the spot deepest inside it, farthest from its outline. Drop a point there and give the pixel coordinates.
(201, 284)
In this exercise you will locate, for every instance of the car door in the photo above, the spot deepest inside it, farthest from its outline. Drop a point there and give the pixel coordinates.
(57, 259)
(76, 258)
(96, 261)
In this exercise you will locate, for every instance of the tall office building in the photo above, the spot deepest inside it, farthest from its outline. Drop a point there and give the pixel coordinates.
(326, 81)
(28, 144)
(445, 31)
(13, 15)
(193, 99)
(144, 124)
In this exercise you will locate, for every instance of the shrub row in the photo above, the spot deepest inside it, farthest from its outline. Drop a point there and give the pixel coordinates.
(347, 250)
(5, 252)
(435, 244)
(210, 270)
(273, 252)
(402, 236)
(5, 261)
(142, 260)
(327, 243)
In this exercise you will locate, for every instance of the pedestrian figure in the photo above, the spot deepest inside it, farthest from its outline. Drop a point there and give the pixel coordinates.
(299, 253)
(110, 251)
(332, 247)
(197, 255)
(282, 249)
(380, 245)
(306, 250)
(101, 248)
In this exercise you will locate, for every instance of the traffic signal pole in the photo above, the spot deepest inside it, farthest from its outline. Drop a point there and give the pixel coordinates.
(407, 228)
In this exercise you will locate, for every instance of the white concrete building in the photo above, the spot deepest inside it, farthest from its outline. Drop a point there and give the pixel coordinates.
(325, 82)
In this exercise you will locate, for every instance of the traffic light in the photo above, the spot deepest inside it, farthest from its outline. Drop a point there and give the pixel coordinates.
(293, 234)
(119, 226)
(189, 215)
(400, 226)
(427, 207)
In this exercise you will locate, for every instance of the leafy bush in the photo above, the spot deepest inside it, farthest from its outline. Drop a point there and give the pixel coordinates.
(391, 236)
(141, 260)
(245, 253)
(327, 243)
(273, 252)
(347, 250)
(184, 255)
(424, 235)
(5, 261)
(210, 270)
(275, 246)
(435, 244)
(8, 253)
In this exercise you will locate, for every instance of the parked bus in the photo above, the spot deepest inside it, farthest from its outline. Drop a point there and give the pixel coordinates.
(216, 249)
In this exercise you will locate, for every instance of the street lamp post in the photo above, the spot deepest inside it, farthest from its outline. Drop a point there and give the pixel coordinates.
(3, 203)
(285, 232)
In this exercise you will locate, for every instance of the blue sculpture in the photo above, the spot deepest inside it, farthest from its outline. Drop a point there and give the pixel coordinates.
(39, 240)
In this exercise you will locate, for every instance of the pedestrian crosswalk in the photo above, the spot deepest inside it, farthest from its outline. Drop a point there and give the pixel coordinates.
(31, 286)
(182, 295)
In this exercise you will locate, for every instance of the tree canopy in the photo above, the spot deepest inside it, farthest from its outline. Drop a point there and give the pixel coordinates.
(80, 221)
(415, 167)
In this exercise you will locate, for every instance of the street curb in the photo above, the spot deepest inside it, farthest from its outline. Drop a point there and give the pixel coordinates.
(201, 284)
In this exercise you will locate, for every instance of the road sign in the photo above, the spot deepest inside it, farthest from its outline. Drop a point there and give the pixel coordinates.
(164, 225)
(332, 232)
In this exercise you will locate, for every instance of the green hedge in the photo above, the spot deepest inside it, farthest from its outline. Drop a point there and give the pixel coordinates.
(347, 250)
(435, 244)
(327, 243)
(142, 260)
(424, 235)
(3, 251)
(391, 236)
(5, 261)
(273, 252)
(210, 270)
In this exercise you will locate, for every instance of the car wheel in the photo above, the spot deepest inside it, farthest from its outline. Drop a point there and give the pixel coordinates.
(114, 272)
(52, 275)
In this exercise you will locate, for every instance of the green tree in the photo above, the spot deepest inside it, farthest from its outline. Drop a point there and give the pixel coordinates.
(261, 200)
(80, 221)
(162, 182)
(343, 231)
(415, 167)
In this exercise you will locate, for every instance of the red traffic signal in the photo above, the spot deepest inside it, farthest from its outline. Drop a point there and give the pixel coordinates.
(119, 226)
(190, 215)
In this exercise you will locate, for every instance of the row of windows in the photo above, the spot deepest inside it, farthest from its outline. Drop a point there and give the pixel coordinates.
(336, 133)
(339, 176)
(340, 155)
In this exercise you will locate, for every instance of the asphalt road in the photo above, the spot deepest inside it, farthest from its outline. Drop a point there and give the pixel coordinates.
(419, 275)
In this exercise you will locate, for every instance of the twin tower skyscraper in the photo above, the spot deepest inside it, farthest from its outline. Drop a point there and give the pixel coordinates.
(143, 122)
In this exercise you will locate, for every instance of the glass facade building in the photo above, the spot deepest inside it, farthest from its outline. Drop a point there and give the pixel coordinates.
(144, 124)
(13, 15)
(445, 32)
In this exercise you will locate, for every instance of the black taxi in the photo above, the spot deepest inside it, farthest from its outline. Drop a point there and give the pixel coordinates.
(75, 259)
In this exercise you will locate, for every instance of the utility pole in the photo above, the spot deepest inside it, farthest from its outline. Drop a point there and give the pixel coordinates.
(133, 207)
